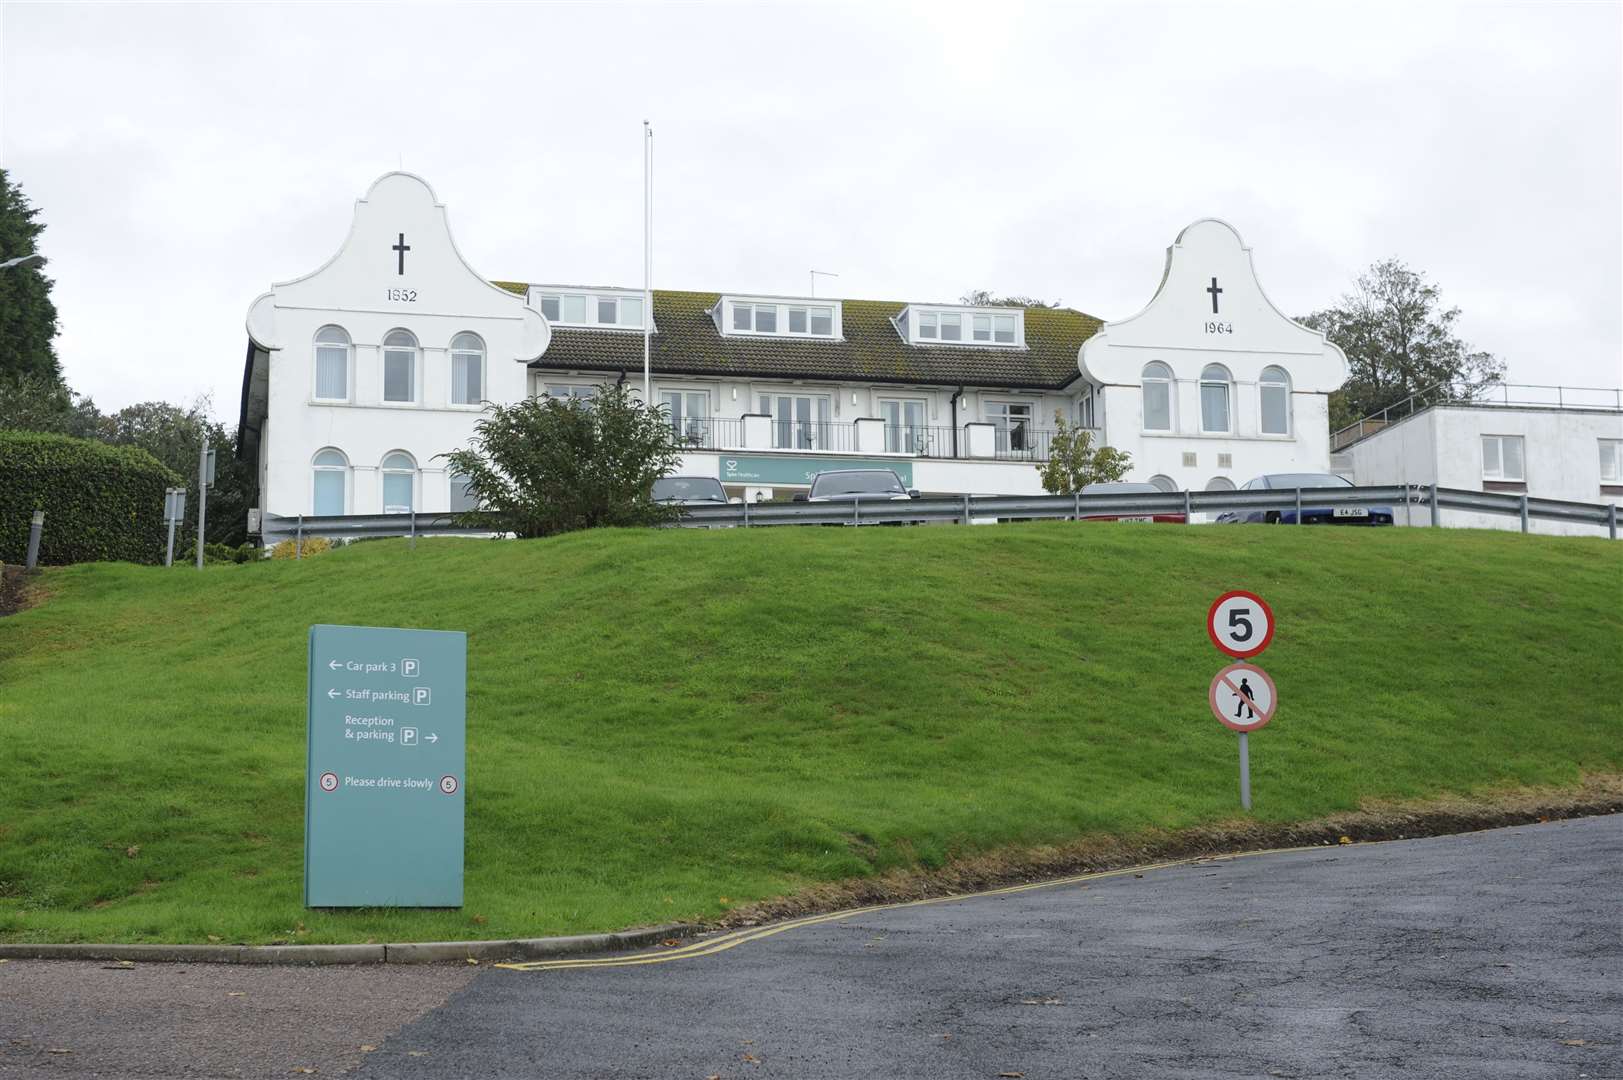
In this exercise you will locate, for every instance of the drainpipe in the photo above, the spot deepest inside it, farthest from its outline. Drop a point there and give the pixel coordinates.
(621, 381)
(954, 403)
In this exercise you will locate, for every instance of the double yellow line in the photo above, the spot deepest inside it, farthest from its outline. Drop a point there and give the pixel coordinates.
(723, 942)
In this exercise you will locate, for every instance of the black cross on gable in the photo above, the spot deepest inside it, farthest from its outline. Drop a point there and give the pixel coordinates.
(1214, 290)
(402, 247)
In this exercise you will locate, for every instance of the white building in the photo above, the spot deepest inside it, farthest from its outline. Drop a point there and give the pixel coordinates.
(1545, 442)
(361, 373)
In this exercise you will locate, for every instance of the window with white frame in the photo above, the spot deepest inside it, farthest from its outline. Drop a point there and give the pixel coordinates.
(1085, 407)
(1502, 458)
(1157, 381)
(791, 319)
(467, 369)
(618, 309)
(905, 430)
(960, 326)
(399, 482)
(462, 500)
(1012, 419)
(1274, 401)
(689, 415)
(1164, 483)
(400, 366)
(800, 421)
(330, 484)
(332, 364)
(993, 328)
(1216, 386)
(569, 390)
(1611, 461)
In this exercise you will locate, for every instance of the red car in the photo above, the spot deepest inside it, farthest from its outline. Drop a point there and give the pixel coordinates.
(1125, 488)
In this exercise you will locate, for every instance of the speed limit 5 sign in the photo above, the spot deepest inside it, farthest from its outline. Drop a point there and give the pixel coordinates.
(1240, 624)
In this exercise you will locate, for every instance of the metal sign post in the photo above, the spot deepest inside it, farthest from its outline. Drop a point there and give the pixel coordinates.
(174, 512)
(204, 460)
(1242, 696)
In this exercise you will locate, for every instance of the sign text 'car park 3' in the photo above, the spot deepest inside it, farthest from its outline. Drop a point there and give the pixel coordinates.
(386, 762)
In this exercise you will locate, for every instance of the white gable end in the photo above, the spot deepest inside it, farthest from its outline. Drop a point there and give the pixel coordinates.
(400, 266)
(1209, 309)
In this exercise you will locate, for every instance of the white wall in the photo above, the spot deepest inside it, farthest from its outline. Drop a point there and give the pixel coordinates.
(1561, 448)
(363, 290)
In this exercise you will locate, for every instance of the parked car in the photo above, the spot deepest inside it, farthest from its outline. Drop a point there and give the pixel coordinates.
(1311, 515)
(858, 485)
(847, 486)
(1123, 487)
(689, 491)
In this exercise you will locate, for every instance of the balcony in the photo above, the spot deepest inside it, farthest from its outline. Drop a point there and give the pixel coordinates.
(970, 441)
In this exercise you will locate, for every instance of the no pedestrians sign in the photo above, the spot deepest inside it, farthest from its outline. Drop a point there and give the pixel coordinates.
(1243, 697)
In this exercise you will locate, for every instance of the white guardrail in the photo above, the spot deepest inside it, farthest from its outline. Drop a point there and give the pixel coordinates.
(964, 509)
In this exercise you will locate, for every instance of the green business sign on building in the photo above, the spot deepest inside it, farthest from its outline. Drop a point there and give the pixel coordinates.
(386, 768)
(796, 469)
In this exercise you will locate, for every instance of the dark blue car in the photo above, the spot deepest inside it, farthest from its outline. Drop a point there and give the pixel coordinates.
(1311, 515)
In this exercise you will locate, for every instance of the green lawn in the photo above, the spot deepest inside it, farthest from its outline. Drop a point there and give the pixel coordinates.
(659, 719)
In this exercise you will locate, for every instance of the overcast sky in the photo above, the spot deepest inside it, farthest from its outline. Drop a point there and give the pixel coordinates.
(184, 157)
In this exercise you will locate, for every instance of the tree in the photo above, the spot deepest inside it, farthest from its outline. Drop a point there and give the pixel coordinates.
(1074, 462)
(545, 465)
(27, 316)
(984, 298)
(1399, 341)
(44, 403)
(174, 435)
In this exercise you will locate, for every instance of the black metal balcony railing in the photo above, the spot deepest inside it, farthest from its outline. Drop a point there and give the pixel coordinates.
(1013, 442)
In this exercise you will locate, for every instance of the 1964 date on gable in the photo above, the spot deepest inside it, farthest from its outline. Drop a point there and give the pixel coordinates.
(1219, 328)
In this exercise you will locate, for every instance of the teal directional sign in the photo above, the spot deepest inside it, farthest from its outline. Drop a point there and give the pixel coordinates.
(385, 775)
(799, 469)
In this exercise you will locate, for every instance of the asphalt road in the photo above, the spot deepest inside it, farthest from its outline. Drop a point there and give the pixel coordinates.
(1494, 954)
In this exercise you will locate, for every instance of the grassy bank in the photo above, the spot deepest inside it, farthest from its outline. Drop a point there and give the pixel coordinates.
(666, 723)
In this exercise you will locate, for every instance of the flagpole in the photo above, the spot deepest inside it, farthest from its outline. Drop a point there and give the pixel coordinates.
(647, 260)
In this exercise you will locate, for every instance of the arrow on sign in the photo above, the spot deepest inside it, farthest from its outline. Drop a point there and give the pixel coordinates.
(332, 693)
(431, 737)
(335, 665)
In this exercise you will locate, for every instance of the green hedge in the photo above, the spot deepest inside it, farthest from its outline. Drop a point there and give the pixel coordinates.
(100, 501)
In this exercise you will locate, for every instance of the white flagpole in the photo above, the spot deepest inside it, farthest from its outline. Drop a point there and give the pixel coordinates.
(647, 260)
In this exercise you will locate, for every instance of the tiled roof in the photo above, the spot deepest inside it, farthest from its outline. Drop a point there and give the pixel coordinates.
(686, 342)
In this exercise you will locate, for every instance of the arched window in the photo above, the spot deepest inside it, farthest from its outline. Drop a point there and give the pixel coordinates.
(332, 364)
(461, 498)
(1220, 483)
(331, 485)
(1275, 390)
(467, 369)
(399, 366)
(1164, 483)
(1157, 397)
(1215, 383)
(399, 482)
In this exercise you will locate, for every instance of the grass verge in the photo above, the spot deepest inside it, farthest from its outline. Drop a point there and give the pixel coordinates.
(672, 725)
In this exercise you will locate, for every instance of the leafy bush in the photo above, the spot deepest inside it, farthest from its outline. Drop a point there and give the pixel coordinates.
(100, 502)
(220, 553)
(544, 466)
(1074, 462)
(313, 545)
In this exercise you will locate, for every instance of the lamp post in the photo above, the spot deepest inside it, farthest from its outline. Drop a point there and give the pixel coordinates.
(23, 262)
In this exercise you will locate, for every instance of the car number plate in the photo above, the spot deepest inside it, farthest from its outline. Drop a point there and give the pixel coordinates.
(1351, 511)
(1136, 519)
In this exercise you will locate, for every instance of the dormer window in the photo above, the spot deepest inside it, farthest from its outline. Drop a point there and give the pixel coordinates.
(618, 309)
(961, 326)
(780, 318)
